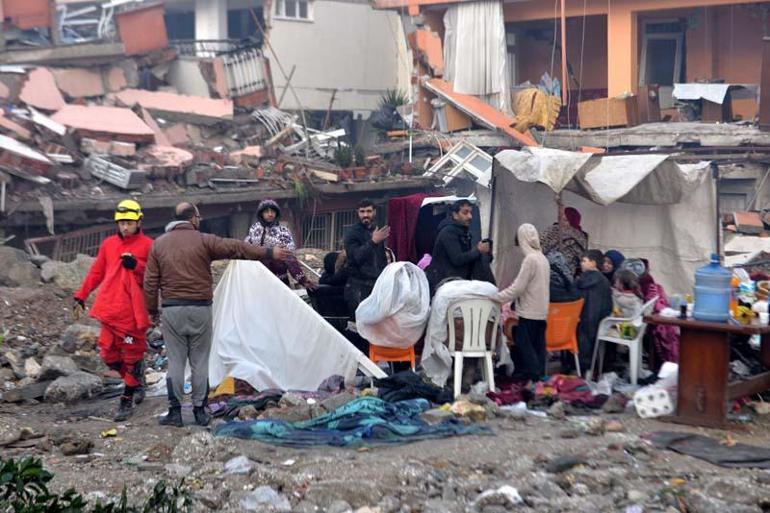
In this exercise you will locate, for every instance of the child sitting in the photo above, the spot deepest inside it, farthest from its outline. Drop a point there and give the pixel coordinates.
(627, 303)
(627, 295)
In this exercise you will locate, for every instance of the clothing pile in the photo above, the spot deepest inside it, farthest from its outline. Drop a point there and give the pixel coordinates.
(366, 420)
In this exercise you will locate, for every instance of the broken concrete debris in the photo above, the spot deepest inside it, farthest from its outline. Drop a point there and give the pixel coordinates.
(115, 174)
(177, 107)
(41, 91)
(104, 123)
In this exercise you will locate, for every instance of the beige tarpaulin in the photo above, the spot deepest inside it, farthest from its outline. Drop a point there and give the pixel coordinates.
(645, 206)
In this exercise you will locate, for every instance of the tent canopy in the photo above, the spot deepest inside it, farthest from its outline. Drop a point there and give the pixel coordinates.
(645, 206)
(638, 179)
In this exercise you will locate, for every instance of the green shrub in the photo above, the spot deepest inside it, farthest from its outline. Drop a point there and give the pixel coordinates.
(24, 489)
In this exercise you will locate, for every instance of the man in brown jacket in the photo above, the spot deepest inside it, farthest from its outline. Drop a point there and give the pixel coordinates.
(179, 268)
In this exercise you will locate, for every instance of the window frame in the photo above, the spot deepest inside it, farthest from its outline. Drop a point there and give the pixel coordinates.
(285, 17)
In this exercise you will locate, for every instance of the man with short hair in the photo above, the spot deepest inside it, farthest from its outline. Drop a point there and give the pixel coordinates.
(118, 271)
(179, 267)
(366, 257)
(453, 253)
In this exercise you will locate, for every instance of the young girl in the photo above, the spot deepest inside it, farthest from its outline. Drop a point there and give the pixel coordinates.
(627, 295)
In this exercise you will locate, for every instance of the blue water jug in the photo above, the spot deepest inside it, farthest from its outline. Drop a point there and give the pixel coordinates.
(712, 292)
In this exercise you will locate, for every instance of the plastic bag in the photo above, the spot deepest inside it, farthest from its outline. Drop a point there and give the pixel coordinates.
(397, 311)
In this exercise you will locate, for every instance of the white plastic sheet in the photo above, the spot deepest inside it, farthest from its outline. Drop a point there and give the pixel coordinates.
(267, 336)
(646, 208)
(396, 312)
(436, 359)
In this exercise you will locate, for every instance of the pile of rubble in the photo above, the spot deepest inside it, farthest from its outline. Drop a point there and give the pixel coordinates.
(122, 122)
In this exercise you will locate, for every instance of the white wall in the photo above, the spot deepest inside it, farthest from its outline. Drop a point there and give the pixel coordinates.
(348, 46)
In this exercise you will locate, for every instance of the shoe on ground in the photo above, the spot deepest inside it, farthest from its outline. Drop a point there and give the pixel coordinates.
(139, 395)
(173, 418)
(201, 417)
(125, 409)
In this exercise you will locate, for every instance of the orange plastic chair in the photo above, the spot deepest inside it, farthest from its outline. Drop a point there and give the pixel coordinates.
(561, 329)
(391, 354)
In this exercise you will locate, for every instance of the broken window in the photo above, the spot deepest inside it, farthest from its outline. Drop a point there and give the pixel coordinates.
(662, 57)
(464, 160)
(294, 9)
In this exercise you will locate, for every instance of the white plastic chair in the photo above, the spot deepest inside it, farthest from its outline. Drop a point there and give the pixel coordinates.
(634, 345)
(476, 314)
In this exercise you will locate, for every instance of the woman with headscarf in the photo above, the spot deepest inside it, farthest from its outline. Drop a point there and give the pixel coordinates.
(566, 236)
(562, 284)
(269, 232)
(530, 291)
(613, 259)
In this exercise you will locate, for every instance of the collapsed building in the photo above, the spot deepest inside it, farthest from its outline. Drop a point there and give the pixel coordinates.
(99, 104)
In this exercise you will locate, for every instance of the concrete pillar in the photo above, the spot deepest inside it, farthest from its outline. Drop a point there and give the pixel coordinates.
(210, 19)
(240, 222)
(622, 61)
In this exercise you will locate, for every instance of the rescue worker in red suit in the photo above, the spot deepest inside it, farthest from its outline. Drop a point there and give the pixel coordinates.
(119, 273)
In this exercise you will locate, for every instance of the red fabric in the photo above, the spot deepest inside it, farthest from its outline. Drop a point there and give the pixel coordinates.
(573, 217)
(402, 219)
(120, 301)
(122, 352)
(568, 389)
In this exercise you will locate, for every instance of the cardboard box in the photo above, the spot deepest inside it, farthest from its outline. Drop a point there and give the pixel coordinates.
(609, 112)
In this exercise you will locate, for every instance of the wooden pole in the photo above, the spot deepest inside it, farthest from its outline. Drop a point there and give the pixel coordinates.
(564, 74)
(286, 87)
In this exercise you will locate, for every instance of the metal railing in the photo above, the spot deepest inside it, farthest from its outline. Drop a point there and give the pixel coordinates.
(67, 246)
(212, 47)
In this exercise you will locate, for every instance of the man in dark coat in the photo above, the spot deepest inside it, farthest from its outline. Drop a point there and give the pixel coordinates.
(453, 253)
(365, 248)
(596, 291)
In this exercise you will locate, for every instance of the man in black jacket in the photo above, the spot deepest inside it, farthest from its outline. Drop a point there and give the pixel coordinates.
(365, 248)
(453, 253)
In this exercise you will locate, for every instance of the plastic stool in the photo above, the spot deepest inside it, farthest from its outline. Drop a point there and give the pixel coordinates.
(391, 354)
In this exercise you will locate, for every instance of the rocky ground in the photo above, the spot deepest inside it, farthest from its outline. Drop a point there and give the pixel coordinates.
(602, 463)
(554, 466)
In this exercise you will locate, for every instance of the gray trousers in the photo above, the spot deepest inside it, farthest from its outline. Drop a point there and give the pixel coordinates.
(187, 333)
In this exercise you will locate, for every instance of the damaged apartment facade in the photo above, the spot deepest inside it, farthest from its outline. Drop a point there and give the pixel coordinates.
(681, 77)
(101, 103)
(338, 55)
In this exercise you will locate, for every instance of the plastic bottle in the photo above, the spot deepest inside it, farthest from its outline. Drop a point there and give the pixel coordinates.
(712, 292)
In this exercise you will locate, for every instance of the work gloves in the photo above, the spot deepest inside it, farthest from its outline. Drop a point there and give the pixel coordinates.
(129, 262)
(78, 307)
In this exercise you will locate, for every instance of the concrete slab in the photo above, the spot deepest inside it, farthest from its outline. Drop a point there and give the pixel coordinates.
(177, 135)
(483, 113)
(79, 82)
(40, 91)
(166, 161)
(115, 79)
(15, 154)
(178, 107)
(11, 126)
(114, 122)
(160, 137)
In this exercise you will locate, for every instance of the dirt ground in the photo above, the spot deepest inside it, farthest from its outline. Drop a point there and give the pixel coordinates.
(620, 469)
(608, 472)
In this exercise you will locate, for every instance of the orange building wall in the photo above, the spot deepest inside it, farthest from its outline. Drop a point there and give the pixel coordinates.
(534, 56)
(722, 42)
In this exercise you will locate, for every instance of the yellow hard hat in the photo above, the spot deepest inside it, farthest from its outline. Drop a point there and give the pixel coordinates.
(128, 210)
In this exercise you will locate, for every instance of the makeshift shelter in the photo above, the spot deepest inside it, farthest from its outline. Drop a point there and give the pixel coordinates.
(266, 335)
(645, 206)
